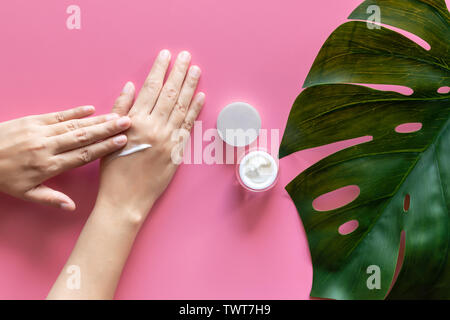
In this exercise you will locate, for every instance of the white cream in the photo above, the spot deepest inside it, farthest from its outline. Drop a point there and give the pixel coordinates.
(258, 170)
(134, 149)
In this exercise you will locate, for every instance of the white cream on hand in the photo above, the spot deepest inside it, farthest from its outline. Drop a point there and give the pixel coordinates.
(134, 149)
(258, 170)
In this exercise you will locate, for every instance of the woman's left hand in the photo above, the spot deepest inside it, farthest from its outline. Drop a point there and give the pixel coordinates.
(162, 116)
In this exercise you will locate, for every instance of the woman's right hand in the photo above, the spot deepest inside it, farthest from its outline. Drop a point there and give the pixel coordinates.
(36, 148)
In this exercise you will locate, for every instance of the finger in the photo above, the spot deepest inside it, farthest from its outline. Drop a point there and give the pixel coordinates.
(79, 157)
(86, 136)
(193, 112)
(72, 125)
(184, 100)
(61, 116)
(45, 195)
(170, 91)
(124, 102)
(152, 86)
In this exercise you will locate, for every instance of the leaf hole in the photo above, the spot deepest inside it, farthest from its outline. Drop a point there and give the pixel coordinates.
(409, 127)
(443, 90)
(407, 91)
(336, 199)
(348, 227)
(400, 259)
(406, 203)
(411, 36)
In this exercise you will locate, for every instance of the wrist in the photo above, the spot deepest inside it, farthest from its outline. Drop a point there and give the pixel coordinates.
(129, 212)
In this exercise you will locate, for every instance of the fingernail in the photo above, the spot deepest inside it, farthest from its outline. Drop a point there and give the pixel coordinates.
(195, 71)
(66, 206)
(88, 109)
(123, 122)
(184, 56)
(165, 54)
(201, 97)
(120, 140)
(111, 116)
(128, 88)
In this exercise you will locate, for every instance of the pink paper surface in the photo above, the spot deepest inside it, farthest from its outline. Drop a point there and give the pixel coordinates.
(206, 238)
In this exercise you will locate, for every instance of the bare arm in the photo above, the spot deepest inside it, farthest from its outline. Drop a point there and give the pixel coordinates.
(130, 185)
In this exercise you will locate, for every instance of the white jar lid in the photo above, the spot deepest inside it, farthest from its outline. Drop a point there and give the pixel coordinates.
(238, 124)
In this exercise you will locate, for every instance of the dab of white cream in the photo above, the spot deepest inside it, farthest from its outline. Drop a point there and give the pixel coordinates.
(134, 149)
(258, 170)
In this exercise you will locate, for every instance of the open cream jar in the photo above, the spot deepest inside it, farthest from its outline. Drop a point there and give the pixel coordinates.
(257, 171)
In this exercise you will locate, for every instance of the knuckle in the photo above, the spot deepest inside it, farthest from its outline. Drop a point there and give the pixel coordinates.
(181, 107)
(187, 125)
(52, 167)
(81, 135)
(181, 68)
(39, 166)
(110, 128)
(191, 82)
(37, 145)
(59, 116)
(152, 85)
(197, 107)
(72, 125)
(31, 134)
(171, 93)
(85, 156)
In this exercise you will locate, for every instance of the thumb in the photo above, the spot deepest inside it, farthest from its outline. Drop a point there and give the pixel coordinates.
(45, 195)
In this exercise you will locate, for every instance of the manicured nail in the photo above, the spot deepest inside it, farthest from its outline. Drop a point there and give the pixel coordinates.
(124, 122)
(165, 54)
(184, 56)
(88, 108)
(120, 140)
(200, 97)
(128, 88)
(112, 116)
(195, 71)
(66, 206)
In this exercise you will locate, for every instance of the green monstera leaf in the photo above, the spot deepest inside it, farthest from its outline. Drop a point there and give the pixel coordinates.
(387, 169)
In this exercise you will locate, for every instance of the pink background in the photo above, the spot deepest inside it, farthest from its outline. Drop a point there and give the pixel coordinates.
(205, 238)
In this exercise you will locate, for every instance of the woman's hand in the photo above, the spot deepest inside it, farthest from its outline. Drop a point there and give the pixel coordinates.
(129, 185)
(36, 148)
(134, 182)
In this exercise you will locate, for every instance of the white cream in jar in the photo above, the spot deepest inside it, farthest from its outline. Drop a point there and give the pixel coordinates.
(258, 170)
